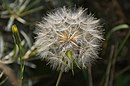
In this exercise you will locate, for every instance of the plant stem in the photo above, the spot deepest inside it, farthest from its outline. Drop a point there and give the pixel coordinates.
(122, 71)
(90, 75)
(17, 41)
(59, 78)
(108, 70)
(85, 75)
(123, 43)
(21, 67)
(117, 52)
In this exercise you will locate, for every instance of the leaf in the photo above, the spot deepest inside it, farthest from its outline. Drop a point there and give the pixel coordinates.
(1, 77)
(1, 45)
(117, 28)
(26, 38)
(10, 23)
(12, 56)
(32, 4)
(21, 20)
(6, 5)
(31, 11)
(24, 5)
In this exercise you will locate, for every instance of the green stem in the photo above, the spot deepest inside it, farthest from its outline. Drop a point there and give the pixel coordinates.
(21, 67)
(17, 41)
(123, 43)
(85, 75)
(90, 75)
(117, 52)
(108, 70)
(59, 78)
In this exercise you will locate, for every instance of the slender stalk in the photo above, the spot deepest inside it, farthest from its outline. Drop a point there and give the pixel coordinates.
(59, 78)
(17, 41)
(21, 67)
(90, 75)
(85, 75)
(112, 74)
(117, 52)
(122, 71)
(109, 67)
(123, 43)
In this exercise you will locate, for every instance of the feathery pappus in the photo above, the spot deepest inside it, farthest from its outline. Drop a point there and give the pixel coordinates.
(69, 38)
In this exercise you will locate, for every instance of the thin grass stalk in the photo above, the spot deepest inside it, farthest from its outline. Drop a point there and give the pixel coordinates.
(90, 75)
(59, 78)
(31, 11)
(109, 67)
(122, 71)
(117, 52)
(113, 68)
(123, 43)
(85, 75)
(21, 66)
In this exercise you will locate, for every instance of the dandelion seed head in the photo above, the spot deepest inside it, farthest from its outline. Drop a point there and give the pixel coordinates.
(69, 37)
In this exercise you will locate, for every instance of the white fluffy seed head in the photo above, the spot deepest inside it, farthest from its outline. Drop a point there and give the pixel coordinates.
(68, 38)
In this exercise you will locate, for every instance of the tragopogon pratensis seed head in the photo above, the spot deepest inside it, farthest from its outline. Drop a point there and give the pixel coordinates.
(68, 38)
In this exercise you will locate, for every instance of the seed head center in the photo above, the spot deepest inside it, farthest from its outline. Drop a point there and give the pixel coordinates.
(66, 37)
